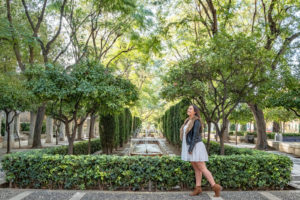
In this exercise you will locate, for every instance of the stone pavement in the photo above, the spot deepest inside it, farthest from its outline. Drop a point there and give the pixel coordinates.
(18, 194)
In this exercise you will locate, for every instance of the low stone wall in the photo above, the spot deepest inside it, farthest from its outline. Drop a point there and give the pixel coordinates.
(287, 147)
(239, 138)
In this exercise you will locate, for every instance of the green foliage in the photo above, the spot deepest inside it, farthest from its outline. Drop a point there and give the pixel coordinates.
(121, 128)
(239, 133)
(279, 114)
(25, 126)
(2, 131)
(107, 131)
(244, 127)
(137, 123)
(87, 88)
(272, 135)
(127, 123)
(248, 169)
(232, 127)
(172, 121)
(115, 129)
(14, 95)
(241, 114)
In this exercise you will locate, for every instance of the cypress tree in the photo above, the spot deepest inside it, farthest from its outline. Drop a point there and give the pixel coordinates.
(122, 128)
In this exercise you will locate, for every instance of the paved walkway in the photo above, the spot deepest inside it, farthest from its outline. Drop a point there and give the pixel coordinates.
(17, 194)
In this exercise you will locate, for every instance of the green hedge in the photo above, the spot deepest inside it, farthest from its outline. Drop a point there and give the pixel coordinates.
(272, 135)
(116, 129)
(239, 133)
(80, 148)
(172, 120)
(25, 126)
(2, 130)
(240, 169)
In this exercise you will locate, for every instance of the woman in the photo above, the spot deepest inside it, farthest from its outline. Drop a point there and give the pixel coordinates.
(193, 150)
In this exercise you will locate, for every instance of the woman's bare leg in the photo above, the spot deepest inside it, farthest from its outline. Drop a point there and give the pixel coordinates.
(198, 174)
(202, 167)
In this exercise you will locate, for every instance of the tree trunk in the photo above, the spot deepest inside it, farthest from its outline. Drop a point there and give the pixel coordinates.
(226, 132)
(38, 127)
(17, 127)
(91, 131)
(67, 131)
(258, 114)
(276, 127)
(208, 136)
(92, 126)
(31, 129)
(80, 130)
(9, 127)
(236, 130)
(0, 123)
(221, 136)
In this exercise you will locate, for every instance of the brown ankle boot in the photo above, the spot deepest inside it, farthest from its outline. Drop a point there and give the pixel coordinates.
(196, 191)
(217, 188)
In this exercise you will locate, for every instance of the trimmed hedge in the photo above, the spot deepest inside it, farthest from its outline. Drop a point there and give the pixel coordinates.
(240, 169)
(80, 148)
(172, 120)
(272, 135)
(116, 129)
(239, 133)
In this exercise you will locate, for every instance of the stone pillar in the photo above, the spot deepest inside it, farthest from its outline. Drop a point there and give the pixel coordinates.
(62, 132)
(11, 132)
(97, 129)
(31, 129)
(88, 124)
(49, 130)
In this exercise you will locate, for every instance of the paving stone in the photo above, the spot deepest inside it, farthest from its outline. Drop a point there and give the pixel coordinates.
(242, 195)
(143, 196)
(287, 195)
(49, 195)
(7, 194)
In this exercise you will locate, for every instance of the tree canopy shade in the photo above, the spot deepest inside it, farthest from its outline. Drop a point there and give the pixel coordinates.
(274, 25)
(13, 97)
(219, 76)
(86, 89)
